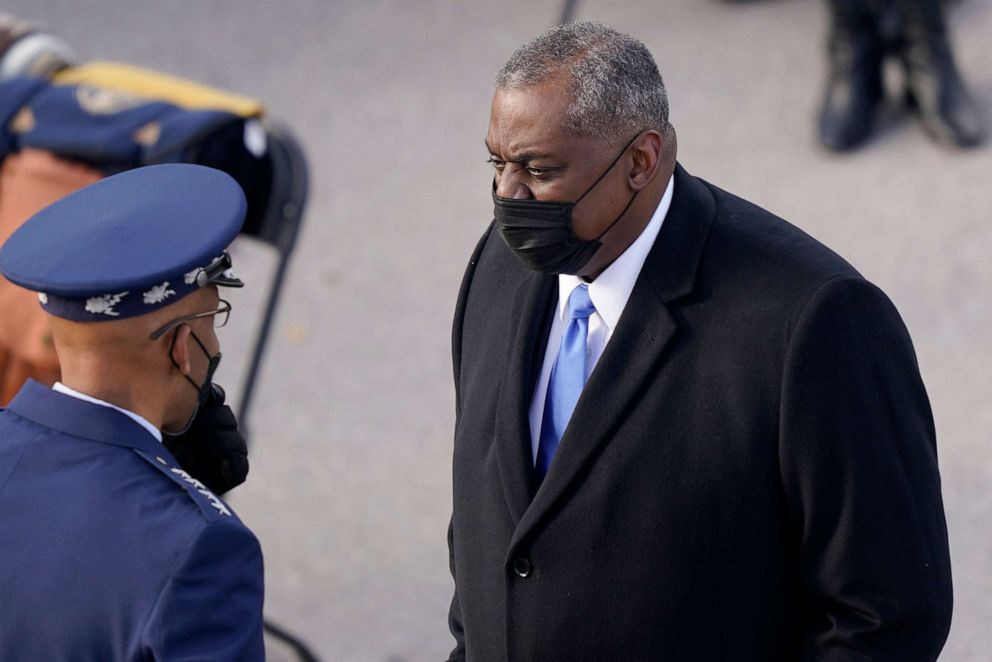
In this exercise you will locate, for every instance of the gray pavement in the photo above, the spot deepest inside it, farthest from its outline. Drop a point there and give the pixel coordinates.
(349, 491)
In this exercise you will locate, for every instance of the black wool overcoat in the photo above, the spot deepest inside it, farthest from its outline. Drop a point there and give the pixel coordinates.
(750, 474)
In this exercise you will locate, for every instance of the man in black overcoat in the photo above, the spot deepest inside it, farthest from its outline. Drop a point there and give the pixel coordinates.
(686, 431)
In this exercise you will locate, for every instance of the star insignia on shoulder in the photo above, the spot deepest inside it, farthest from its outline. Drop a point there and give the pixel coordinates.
(202, 489)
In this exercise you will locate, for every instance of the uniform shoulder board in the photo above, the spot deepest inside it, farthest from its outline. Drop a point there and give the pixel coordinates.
(209, 503)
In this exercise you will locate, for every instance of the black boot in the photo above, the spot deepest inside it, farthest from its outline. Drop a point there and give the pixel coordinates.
(934, 86)
(854, 84)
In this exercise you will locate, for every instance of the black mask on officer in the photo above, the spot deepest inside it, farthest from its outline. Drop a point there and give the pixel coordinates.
(202, 390)
(210, 447)
(540, 232)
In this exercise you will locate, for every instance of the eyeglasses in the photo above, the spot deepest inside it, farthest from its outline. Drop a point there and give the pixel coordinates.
(220, 319)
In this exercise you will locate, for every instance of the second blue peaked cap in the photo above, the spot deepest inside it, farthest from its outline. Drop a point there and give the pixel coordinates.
(129, 244)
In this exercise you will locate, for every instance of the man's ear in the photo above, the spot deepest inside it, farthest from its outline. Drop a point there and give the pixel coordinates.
(647, 157)
(180, 349)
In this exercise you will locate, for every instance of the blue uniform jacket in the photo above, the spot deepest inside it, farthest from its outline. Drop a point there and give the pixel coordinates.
(109, 551)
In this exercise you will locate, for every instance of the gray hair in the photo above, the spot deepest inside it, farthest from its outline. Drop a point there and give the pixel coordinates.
(613, 80)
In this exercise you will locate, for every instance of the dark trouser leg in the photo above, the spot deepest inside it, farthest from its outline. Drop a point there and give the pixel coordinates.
(854, 79)
(945, 107)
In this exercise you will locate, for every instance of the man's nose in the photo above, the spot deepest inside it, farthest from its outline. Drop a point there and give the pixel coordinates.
(510, 185)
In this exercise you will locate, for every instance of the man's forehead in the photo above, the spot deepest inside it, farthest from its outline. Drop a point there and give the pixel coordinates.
(522, 148)
(528, 121)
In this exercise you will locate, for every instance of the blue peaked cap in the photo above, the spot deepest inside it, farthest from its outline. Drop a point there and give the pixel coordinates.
(129, 244)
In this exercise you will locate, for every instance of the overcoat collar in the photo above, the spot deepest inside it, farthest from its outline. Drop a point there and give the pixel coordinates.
(634, 350)
(79, 418)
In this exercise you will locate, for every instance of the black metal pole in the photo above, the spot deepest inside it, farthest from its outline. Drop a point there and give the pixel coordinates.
(300, 648)
(263, 335)
(568, 11)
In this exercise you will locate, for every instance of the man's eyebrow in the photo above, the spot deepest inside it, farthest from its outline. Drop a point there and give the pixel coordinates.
(524, 157)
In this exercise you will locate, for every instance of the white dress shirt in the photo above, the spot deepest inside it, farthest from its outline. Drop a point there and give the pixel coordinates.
(140, 420)
(609, 294)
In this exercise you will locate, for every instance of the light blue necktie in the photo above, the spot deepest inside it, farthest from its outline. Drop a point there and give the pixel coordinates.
(568, 376)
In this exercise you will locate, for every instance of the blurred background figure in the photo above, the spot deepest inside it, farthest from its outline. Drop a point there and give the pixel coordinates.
(64, 126)
(38, 178)
(30, 180)
(862, 34)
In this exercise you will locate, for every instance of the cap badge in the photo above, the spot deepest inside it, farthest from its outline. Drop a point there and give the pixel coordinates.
(192, 276)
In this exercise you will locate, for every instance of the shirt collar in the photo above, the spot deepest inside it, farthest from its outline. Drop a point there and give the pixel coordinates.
(78, 418)
(611, 289)
(140, 420)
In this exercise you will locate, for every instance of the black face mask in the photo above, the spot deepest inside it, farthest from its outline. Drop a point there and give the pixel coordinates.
(203, 390)
(540, 232)
(210, 447)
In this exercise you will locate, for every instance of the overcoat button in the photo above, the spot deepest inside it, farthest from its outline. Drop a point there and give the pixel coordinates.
(521, 566)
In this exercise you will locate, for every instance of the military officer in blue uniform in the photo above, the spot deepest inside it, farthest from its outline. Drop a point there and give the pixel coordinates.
(109, 550)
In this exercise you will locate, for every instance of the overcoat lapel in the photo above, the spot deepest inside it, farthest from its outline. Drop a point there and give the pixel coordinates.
(636, 347)
(531, 314)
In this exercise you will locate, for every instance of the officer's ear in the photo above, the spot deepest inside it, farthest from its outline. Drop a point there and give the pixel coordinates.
(180, 349)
